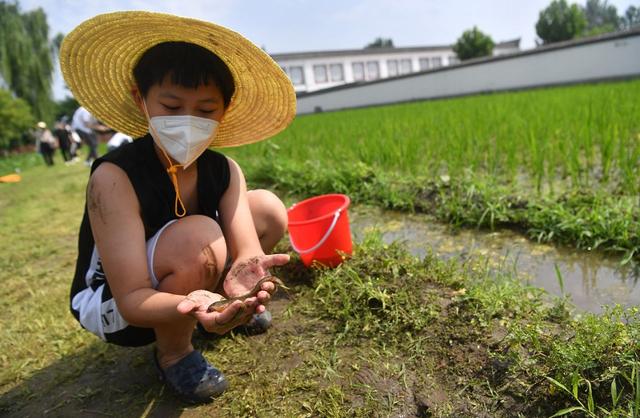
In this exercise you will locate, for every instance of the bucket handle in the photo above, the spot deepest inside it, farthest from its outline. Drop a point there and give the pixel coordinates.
(322, 240)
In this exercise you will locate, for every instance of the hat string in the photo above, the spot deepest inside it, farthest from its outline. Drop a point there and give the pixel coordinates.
(171, 171)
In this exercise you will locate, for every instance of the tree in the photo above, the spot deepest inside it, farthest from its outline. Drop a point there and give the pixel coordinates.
(560, 22)
(56, 42)
(601, 17)
(631, 18)
(15, 120)
(473, 44)
(380, 43)
(26, 63)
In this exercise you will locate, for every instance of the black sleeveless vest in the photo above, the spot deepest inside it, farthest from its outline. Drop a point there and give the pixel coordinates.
(156, 196)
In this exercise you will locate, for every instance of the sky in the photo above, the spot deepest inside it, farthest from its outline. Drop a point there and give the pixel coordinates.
(306, 25)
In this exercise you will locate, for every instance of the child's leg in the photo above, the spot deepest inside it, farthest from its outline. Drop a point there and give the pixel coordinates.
(269, 217)
(189, 255)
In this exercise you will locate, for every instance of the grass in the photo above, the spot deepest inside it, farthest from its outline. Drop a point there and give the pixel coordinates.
(19, 162)
(583, 136)
(385, 334)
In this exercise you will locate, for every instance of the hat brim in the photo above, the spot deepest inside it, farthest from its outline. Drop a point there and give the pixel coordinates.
(98, 57)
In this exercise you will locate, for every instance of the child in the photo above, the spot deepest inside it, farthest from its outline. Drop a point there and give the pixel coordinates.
(165, 213)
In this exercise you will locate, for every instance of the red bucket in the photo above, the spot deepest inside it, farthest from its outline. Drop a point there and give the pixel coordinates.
(319, 229)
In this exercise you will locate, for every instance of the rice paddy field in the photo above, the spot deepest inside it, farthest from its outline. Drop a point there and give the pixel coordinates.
(558, 164)
(385, 334)
(586, 135)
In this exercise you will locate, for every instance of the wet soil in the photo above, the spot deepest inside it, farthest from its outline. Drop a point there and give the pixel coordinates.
(278, 373)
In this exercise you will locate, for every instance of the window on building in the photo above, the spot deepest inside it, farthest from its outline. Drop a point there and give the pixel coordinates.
(392, 68)
(320, 73)
(405, 66)
(337, 72)
(358, 71)
(297, 75)
(436, 62)
(373, 70)
(453, 60)
(424, 64)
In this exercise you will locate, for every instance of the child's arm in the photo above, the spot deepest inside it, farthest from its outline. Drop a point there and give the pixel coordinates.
(250, 263)
(118, 230)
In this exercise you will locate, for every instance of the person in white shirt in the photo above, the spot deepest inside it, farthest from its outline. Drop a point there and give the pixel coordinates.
(118, 139)
(82, 123)
(113, 138)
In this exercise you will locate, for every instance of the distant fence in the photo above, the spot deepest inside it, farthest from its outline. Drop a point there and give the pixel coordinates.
(606, 57)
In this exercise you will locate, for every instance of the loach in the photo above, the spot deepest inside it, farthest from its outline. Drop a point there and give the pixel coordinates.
(220, 305)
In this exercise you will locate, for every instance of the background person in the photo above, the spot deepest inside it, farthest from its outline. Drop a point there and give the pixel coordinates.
(117, 140)
(113, 139)
(64, 140)
(83, 122)
(75, 142)
(45, 143)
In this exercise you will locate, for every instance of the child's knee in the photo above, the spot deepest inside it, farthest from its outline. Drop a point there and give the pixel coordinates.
(192, 254)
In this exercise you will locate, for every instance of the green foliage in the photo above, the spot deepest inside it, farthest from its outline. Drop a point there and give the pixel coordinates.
(560, 22)
(592, 360)
(473, 44)
(26, 57)
(380, 43)
(56, 42)
(375, 293)
(631, 18)
(589, 221)
(601, 16)
(15, 120)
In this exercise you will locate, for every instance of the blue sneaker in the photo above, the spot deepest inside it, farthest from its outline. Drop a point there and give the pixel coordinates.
(262, 321)
(193, 379)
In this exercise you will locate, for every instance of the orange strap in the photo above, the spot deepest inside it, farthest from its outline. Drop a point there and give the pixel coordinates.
(172, 170)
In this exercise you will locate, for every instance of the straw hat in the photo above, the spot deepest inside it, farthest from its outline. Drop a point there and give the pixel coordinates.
(41, 125)
(97, 60)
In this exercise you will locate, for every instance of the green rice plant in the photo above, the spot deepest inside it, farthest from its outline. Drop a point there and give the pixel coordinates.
(531, 137)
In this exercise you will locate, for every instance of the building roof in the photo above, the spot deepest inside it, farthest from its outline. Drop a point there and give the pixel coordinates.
(515, 43)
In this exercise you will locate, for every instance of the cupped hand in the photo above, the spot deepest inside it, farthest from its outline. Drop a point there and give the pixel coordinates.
(237, 313)
(245, 273)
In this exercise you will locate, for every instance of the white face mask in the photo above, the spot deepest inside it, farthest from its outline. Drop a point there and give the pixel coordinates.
(183, 137)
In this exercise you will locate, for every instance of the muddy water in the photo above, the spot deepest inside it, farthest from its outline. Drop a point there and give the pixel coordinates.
(590, 279)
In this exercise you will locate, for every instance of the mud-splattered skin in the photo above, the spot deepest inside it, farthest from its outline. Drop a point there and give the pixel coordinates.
(220, 305)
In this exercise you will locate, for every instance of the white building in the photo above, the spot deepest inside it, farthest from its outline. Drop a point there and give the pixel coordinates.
(311, 71)
(612, 56)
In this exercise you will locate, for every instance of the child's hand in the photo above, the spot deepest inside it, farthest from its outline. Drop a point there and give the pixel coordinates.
(245, 273)
(237, 313)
